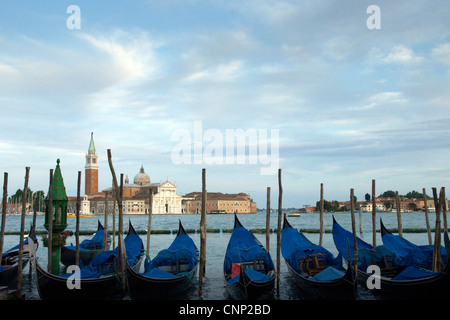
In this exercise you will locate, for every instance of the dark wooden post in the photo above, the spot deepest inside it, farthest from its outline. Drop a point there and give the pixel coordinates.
(4, 202)
(280, 208)
(268, 220)
(321, 214)
(399, 215)
(437, 233)
(355, 243)
(430, 241)
(119, 203)
(374, 216)
(22, 232)
(105, 234)
(77, 229)
(50, 222)
(202, 234)
(150, 214)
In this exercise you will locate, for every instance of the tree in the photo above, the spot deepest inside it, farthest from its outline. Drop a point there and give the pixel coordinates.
(414, 194)
(388, 194)
(367, 197)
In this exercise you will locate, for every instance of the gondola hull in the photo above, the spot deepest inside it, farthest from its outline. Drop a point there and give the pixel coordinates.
(296, 249)
(246, 289)
(247, 254)
(146, 288)
(434, 286)
(52, 287)
(339, 289)
(181, 258)
(68, 256)
(68, 253)
(8, 277)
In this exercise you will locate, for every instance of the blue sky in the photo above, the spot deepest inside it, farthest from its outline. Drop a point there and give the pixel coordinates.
(350, 104)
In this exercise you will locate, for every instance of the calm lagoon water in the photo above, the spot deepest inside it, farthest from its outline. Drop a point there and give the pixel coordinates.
(217, 241)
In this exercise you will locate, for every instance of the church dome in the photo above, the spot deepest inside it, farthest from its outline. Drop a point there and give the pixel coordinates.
(141, 178)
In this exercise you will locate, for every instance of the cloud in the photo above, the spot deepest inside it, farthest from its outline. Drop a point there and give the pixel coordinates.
(222, 72)
(402, 54)
(441, 53)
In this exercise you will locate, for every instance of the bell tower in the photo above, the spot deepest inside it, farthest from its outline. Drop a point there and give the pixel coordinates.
(91, 169)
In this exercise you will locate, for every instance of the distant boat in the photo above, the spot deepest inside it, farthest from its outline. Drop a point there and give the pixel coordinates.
(73, 215)
(294, 215)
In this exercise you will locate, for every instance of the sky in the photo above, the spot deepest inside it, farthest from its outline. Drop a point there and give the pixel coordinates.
(332, 92)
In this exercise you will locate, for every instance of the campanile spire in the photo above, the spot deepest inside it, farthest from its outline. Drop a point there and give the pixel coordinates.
(91, 169)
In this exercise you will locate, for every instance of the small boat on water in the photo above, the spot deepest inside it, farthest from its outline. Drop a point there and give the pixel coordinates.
(10, 263)
(74, 215)
(100, 280)
(397, 279)
(89, 248)
(314, 269)
(170, 274)
(295, 214)
(248, 267)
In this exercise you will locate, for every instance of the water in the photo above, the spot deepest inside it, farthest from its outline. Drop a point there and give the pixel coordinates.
(214, 288)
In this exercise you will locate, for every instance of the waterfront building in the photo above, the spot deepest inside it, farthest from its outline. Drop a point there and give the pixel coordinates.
(91, 169)
(217, 202)
(136, 195)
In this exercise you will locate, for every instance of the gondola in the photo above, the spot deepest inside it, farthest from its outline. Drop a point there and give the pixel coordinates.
(170, 274)
(89, 248)
(248, 267)
(314, 269)
(10, 263)
(408, 253)
(395, 281)
(100, 280)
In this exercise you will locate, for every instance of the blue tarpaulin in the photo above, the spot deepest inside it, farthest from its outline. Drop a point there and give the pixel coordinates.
(181, 251)
(296, 247)
(411, 254)
(328, 274)
(243, 248)
(411, 273)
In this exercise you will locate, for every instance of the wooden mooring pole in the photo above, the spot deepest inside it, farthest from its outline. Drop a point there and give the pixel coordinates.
(427, 221)
(355, 243)
(22, 233)
(105, 233)
(321, 214)
(280, 214)
(77, 229)
(119, 196)
(4, 202)
(374, 216)
(438, 203)
(268, 220)
(202, 235)
(50, 222)
(399, 215)
(149, 223)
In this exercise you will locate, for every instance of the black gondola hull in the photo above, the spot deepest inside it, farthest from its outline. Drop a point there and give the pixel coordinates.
(339, 289)
(432, 287)
(52, 287)
(246, 289)
(8, 277)
(68, 256)
(145, 288)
